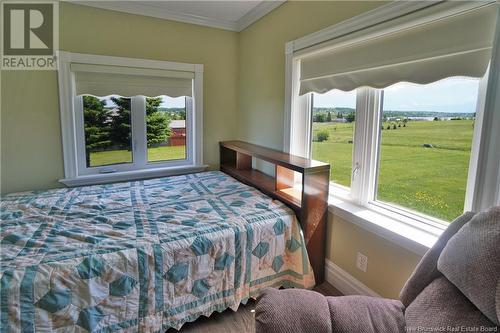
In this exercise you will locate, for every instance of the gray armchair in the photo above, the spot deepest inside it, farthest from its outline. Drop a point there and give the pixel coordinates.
(455, 288)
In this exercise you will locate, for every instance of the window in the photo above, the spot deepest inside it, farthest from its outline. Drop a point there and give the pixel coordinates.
(425, 146)
(333, 132)
(129, 118)
(424, 142)
(132, 133)
(421, 152)
(108, 129)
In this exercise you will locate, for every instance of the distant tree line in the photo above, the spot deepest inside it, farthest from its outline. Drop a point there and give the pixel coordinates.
(327, 116)
(340, 112)
(175, 113)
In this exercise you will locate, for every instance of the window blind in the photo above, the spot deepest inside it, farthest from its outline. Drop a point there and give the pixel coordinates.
(101, 80)
(456, 45)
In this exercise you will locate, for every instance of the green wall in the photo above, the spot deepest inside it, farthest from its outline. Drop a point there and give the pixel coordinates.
(262, 59)
(31, 149)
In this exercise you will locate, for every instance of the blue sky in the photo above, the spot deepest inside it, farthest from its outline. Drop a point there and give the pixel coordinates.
(448, 95)
(170, 102)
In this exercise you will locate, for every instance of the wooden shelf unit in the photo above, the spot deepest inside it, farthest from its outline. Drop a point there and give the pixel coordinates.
(309, 201)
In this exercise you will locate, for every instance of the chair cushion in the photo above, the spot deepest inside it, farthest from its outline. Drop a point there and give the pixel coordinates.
(471, 261)
(442, 307)
(292, 310)
(362, 314)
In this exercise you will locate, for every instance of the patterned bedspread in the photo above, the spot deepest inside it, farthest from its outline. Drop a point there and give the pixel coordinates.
(142, 256)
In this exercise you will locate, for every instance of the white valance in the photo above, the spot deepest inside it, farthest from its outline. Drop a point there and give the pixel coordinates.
(101, 80)
(456, 45)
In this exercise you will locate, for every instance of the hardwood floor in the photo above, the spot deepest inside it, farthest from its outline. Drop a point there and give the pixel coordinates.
(241, 321)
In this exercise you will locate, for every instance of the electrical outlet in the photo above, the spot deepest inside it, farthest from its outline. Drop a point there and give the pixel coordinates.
(361, 262)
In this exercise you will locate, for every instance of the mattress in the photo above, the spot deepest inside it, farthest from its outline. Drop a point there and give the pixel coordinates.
(142, 256)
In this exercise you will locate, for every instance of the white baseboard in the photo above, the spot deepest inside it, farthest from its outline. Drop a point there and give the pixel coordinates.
(345, 282)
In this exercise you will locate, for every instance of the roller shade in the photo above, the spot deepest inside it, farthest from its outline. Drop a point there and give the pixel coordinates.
(458, 45)
(127, 81)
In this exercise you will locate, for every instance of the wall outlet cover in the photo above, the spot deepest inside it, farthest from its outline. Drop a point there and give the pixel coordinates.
(361, 262)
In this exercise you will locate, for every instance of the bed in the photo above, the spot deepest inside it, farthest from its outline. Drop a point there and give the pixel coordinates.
(142, 256)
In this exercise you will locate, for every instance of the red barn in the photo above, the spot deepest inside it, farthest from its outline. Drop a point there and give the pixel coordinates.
(178, 137)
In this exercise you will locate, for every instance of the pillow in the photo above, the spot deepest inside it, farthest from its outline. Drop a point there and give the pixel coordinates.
(471, 261)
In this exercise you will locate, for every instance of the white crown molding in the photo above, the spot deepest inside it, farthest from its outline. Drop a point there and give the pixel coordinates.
(259, 11)
(136, 7)
(345, 282)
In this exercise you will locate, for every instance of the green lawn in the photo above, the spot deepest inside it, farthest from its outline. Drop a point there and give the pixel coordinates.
(124, 156)
(428, 180)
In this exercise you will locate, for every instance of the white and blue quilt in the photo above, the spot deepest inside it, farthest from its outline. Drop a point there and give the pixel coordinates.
(142, 256)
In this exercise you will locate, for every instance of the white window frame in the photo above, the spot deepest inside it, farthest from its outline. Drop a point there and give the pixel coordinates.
(358, 204)
(72, 125)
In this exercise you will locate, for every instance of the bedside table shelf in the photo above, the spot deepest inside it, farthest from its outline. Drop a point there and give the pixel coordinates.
(300, 183)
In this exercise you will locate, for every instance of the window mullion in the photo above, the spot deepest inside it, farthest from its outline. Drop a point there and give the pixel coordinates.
(80, 134)
(139, 135)
(190, 132)
(373, 143)
(301, 129)
(366, 139)
(356, 185)
(470, 203)
(309, 124)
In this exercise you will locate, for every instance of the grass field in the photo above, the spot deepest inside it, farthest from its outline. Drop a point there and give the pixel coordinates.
(428, 180)
(124, 156)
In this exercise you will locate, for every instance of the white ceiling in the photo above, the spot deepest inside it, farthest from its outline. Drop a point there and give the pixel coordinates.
(233, 15)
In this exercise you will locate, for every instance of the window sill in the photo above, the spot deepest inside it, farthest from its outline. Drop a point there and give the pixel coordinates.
(414, 236)
(132, 175)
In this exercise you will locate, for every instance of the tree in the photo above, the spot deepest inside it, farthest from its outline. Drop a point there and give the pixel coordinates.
(121, 129)
(350, 117)
(157, 122)
(329, 117)
(97, 129)
(322, 136)
(319, 118)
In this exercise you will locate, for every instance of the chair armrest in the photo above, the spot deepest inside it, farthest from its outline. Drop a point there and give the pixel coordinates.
(292, 310)
(298, 310)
